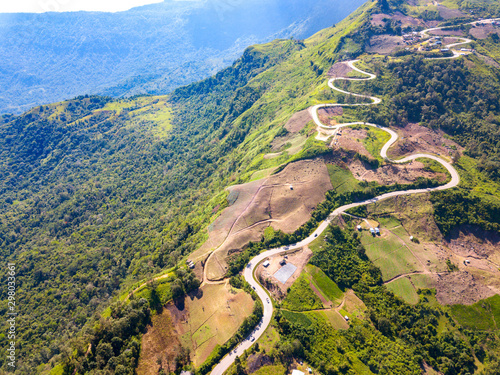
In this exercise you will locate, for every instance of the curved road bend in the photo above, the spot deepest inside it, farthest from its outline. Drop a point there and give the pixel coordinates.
(248, 273)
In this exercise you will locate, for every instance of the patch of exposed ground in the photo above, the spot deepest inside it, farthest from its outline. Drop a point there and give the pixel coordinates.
(392, 173)
(461, 287)
(339, 70)
(352, 139)
(384, 44)
(298, 121)
(159, 347)
(256, 361)
(414, 138)
(483, 31)
(326, 115)
(447, 13)
(298, 258)
(442, 32)
(381, 18)
(284, 200)
(204, 319)
(475, 243)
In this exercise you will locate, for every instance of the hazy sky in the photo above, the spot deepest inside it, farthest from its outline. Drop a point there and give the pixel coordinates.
(37, 6)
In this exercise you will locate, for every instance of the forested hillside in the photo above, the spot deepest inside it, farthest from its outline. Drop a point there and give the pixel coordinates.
(151, 49)
(99, 195)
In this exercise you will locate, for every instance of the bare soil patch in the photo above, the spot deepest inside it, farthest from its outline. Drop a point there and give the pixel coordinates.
(256, 361)
(461, 287)
(483, 31)
(448, 13)
(298, 121)
(379, 20)
(473, 242)
(414, 138)
(206, 318)
(298, 258)
(159, 344)
(384, 44)
(284, 200)
(339, 70)
(326, 115)
(351, 139)
(392, 173)
(442, 32)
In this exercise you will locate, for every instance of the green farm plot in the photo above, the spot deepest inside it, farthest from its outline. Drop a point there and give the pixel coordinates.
(389, 222)
(404, 289)
(390, 254)
(375, 140)
(301, 297)
(324, 284)
(296, 317)
(335, 319)
(399, 261)
(483, 315)
(422, 281)
(342, 179)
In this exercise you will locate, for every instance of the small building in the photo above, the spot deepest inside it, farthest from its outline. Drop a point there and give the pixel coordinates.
(346, 318)
(358, 227)
(291, 187)
(282, 262)
(372, 231)
(309, 370)
(266, 263)
(297, 372)
(377, 231)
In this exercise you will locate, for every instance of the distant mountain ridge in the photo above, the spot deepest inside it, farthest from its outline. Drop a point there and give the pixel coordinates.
(147, 50)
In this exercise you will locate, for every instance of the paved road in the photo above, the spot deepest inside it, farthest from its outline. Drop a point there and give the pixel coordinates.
(248, 273)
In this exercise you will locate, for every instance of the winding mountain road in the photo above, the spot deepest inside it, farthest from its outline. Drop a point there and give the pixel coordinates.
(248, 273)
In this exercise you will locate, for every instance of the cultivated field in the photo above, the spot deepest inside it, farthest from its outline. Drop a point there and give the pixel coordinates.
(206, 319)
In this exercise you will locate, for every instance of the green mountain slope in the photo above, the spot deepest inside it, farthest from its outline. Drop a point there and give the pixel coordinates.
(98, 195)
(150, 49)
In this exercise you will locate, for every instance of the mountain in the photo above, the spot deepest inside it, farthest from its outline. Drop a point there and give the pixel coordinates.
(103, 201)
(147, 50)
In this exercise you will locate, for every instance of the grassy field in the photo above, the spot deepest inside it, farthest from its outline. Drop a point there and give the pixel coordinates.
(342, 179)
(404, 289)
(269, 338)
(375, 140)
(301, 297)
(324, 284)
(297, 317)
(483, 315)
(271, 370)
(390, 255)
(422, 281)
(214, 318)
(335, 319)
